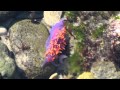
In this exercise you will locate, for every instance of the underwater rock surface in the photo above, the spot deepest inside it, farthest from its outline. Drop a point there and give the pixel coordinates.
(105, 70)
(28, 44)
(7, 64)
(52, 17)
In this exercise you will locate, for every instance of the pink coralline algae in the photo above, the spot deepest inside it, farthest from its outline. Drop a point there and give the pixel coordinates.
(114, 27)
(114, 31)
(56, 42)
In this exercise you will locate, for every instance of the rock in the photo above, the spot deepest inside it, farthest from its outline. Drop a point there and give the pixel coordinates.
(5, 15)
(86, 75)
(28, 44)
(7, 64)
(4, 37)
(6, 41)
(3, 31)
(105, 70)
(52, 17)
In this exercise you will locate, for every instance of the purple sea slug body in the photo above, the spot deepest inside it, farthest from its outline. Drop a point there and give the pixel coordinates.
(55, 43)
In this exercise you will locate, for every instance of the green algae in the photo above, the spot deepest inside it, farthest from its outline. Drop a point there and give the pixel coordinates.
(98, 32)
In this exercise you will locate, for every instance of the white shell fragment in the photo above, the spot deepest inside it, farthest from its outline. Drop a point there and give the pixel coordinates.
(3, 31)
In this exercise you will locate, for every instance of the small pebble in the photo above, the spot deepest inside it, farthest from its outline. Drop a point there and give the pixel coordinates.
(54, 76)
(3, 31)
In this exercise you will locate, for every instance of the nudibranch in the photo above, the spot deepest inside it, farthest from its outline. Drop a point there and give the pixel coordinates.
(56, 42)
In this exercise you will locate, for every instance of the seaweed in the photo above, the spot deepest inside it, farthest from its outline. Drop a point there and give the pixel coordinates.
(98, 32)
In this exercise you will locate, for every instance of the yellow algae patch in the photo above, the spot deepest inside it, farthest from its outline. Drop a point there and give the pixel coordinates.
(86, 75)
